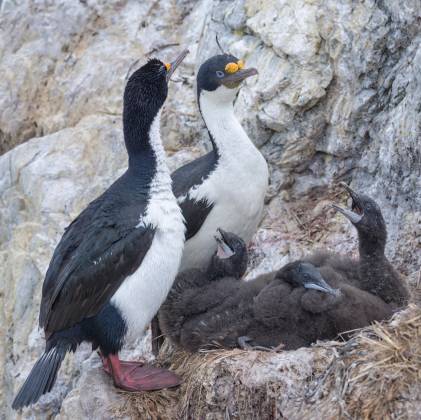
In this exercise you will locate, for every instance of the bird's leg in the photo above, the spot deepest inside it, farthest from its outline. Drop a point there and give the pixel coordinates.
(136, 376)
(242, 342)
(105, 363)
(279, 347)
(157, 337)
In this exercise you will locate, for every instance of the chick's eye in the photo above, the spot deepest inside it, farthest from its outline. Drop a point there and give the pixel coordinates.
(220, 73)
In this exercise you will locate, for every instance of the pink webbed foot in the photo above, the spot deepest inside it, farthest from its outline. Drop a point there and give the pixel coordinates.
(136, 376)
(107, 365)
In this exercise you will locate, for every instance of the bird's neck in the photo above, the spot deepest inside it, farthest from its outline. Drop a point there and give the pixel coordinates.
(227, 135)
(139, 124)
(371, 248)
(373, 264)
(145, 148)
(371, 258)
(216, 269)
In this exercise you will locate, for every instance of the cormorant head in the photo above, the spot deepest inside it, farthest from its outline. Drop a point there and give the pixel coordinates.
(365, 215)
(147, 89)
(305, 274)
(231, 257)
(220, 77)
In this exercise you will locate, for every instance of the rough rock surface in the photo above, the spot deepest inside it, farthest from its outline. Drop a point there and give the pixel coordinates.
(338, 97)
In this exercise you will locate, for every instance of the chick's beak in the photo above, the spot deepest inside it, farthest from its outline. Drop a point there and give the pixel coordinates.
(352, 216)
(234, 79)
(223, 249)
(171, 67)
(349, 214)
(314, 280)
(353, 194)
(322, 286)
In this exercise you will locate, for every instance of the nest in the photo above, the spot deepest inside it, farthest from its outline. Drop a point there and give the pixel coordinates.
(376, 374)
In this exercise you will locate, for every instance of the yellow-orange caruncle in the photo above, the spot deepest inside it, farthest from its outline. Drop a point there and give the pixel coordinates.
(167, 66)
(231, 68)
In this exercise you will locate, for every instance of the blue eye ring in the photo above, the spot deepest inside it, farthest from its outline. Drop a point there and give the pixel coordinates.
(220, 74)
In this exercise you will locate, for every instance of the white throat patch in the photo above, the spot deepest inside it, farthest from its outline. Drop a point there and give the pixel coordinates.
(221, 95)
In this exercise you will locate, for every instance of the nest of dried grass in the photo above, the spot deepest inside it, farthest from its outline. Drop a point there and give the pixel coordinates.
(375, 374)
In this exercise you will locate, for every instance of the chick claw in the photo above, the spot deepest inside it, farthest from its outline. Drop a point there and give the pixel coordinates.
(242, 342)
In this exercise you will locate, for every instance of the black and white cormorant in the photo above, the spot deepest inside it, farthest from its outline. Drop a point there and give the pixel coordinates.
(116, 262)
(226, 187)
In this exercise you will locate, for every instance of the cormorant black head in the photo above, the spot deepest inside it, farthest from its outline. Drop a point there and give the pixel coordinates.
(305, 274)
(144, 96)
(222, 75)
(231, 257)
(366, 216)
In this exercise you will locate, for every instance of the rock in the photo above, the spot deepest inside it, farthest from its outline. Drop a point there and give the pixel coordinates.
(82, 69)
(336, 98)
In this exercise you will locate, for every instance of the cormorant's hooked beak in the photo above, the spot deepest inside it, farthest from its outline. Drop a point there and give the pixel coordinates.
(322, 286)
(171, 67)
(223, 250)
(234, 79)
(353, 216)
(314, 280)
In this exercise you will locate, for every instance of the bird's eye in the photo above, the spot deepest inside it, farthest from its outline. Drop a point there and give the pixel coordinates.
(220, 74)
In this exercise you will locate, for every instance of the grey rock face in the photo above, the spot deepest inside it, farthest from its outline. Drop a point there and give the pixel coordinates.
(338, 97)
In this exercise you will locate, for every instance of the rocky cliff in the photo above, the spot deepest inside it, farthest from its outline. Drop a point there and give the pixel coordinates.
(338, 97)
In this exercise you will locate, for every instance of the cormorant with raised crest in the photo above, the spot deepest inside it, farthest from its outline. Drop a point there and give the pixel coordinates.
(116, 262)
(226, 187)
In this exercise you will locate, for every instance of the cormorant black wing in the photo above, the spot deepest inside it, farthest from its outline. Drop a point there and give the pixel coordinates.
(99, 249)
(186, 178)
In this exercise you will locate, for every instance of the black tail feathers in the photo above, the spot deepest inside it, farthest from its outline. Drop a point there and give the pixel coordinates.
(43, 375)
